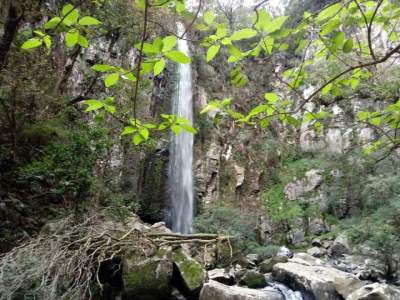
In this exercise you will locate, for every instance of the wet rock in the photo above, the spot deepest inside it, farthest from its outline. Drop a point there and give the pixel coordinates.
(217, 291)
(222, 276)
(253, 279)
(267, 265)
(376, 291)
(190, 271)
(317, 282)
(284, 251)
(340, 246)
(317, 251)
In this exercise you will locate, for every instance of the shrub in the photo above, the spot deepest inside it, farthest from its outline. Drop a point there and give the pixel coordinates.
(66, 167)
(229, 221)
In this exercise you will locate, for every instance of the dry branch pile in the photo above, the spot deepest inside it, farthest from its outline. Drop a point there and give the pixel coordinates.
(63, 263)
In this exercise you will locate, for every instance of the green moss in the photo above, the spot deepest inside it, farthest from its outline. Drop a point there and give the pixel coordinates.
(191, 271)
(150, 276)
(254, 280)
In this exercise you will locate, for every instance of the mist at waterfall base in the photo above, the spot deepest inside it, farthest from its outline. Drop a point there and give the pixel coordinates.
(180, 172)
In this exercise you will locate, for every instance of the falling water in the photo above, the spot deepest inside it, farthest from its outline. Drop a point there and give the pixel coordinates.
(181, 157)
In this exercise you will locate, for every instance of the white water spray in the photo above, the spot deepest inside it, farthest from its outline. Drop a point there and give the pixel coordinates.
(181, 150)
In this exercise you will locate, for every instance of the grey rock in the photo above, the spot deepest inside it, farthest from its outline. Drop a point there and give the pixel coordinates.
(267, 265)
(217, 291)
(376, 291)
(297, 236)
(317, 227)
(222, 276)
(284, 251)
(253, 258)
(316, 242)
(317, 251)
(317, 282)
(340, 246)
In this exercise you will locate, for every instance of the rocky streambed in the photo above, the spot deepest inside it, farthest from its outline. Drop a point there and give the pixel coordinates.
(181, 272)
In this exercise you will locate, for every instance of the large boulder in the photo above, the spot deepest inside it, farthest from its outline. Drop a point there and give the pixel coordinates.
(316, 282)
(222, 276)
(190, 271)
(340, 246)
(375, 291)
(217, 291)
(148, 279)
(267, 265)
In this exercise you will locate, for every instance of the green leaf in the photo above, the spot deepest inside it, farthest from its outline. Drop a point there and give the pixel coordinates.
(257, 110)
(52, 23)
(39, 33)
(328, 12)
(102, 68)
(212, 51)
(348, 46)
(83, 42)
(32, 43)
(268, 44)
(209, 17)
(330, 26)
(242, 34)
(137, 139)
(144, 132)
(72, 37)
(376, 121)
(178, 56)
(169, 43)
(93, 104)
(111, 79)
(338, 40)
(88, 21)
(222, 31)
(354, 83)
(176, 129)
(129, 76)
(159, 66)
(327, 89)
(110, 108)
(274, 25)
(70, 14)
(188, 128)
(47, 41)
(271, 97)
(363, 115)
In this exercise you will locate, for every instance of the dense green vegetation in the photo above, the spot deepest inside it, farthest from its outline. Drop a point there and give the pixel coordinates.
(85, 118)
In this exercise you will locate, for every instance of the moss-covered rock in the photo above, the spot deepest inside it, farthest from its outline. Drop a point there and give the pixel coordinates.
(254, 280)
(190, 271)
(147, 278)
(267, 265)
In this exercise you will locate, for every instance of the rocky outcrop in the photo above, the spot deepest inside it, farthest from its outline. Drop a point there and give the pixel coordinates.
(218, 291)
(316, 282)
(375, 291)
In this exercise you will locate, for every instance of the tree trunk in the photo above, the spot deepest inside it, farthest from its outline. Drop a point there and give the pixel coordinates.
(10, 30)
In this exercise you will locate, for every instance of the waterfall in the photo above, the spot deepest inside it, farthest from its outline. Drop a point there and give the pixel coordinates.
(181, 149)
